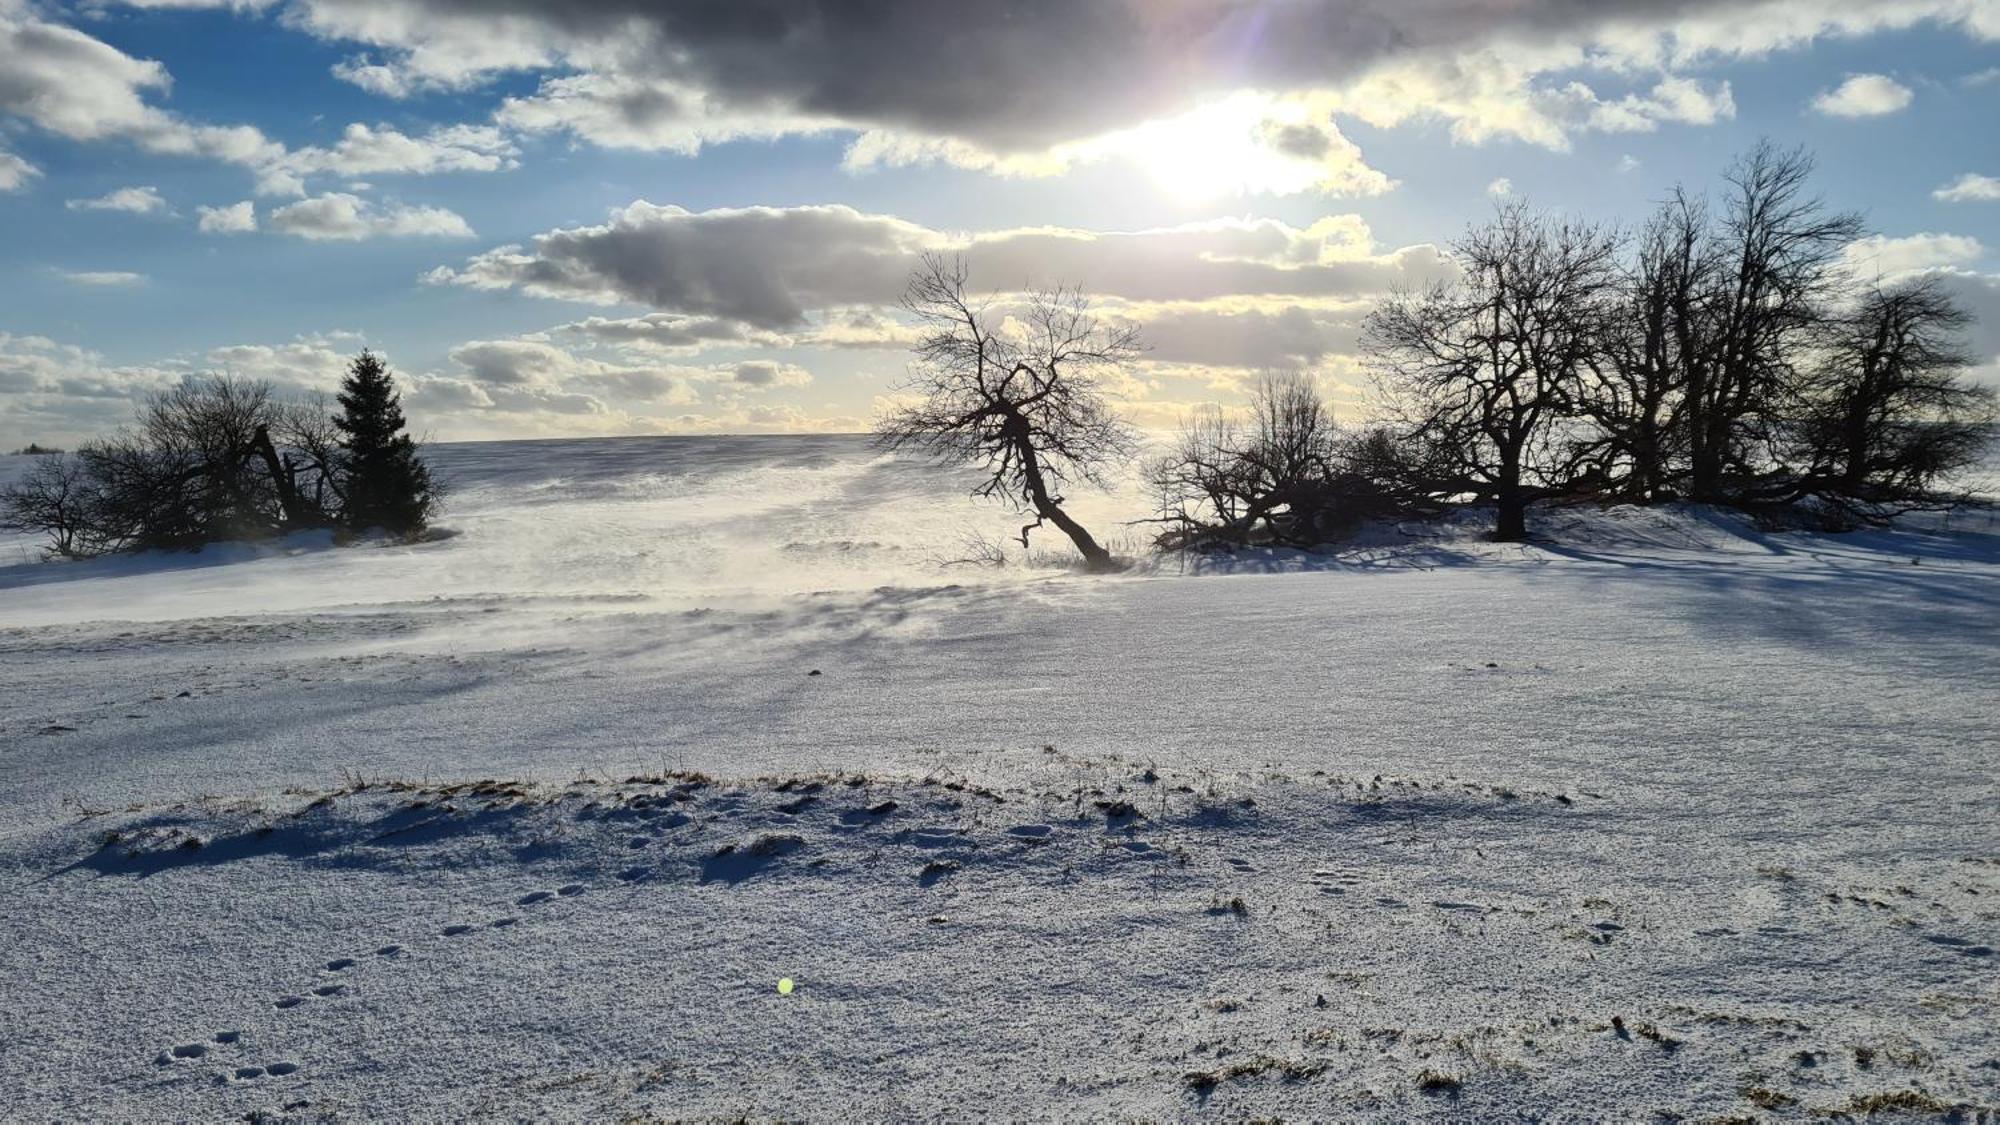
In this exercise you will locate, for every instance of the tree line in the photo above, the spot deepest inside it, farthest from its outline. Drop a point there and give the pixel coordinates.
(1721, 354)
(220, 458)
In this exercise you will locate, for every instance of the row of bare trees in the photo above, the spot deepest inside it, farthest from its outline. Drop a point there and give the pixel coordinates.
(219, 458)
(1717, 357)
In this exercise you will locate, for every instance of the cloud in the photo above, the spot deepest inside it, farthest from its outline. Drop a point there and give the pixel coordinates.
(769, 373)
(60, 394)
(236, 218)
(670, 332)
(1500, 188)
(365, 150)
(72, 85)
(1863, 95)
(986, 87)
(61, 79)
(1880, 255)
(15, 172)
(104, 279)
(534, 372)
(131, 200)
(768, 266)
(337, 216)
(1971, 187)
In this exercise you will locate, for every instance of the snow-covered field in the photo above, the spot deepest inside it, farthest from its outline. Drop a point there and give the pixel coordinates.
(1663, 817)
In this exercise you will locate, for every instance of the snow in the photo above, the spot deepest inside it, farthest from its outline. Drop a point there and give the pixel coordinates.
(1734, 789)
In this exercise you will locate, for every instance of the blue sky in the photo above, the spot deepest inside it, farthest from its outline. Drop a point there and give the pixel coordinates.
(770, 180)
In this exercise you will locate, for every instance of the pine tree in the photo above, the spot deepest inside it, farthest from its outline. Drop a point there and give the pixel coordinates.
(386, 484)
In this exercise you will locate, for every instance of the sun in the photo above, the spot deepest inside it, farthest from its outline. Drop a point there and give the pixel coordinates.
(1225, 148)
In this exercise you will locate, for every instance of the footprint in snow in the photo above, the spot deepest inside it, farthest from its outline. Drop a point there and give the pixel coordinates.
(571, 890)
(389, 951)
(339, 963)
(503, 923)
(455, 930)
(1240, 864)
(1031, 831)
(534, 897)
(1960, 945)
(289, 1002)
(272, 1070)
(330, 990)
(227, 1037)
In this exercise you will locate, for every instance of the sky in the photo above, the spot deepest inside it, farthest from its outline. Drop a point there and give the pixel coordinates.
(586, 217)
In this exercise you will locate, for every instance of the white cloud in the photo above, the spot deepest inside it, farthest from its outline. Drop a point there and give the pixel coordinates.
(1971, 187)
(1880, 255)
(337, 216)
(104, 279)
(236, 218)
(15, 172)
(1864, 95)
(131, 200)
(365, 150)
(1500, 188)
(670, 332)
(66, 82)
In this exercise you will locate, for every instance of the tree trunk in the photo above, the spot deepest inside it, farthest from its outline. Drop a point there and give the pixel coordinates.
(1511, 522)
(283, 480)
(1095, 557)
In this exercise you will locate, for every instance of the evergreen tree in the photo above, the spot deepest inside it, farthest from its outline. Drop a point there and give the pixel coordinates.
(386, 484)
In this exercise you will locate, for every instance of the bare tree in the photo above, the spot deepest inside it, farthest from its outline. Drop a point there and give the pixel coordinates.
(1659, 334)
(1024, 404)
(1484, 369)
(57, 498)
(1889, 412)
(1272, 479)
(1778, 271)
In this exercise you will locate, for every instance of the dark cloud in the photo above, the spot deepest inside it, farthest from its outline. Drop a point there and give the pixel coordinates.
(769, 267)
(1012, 75)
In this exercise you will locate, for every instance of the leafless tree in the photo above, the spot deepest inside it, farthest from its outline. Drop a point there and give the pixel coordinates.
(1777, 273)
(1272, 478)
(1021, 401)
(1484, 369)
(57, 498)
(1889, 411)
(1660, 332)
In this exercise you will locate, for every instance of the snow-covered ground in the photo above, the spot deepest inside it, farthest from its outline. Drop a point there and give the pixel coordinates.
(1663, 816)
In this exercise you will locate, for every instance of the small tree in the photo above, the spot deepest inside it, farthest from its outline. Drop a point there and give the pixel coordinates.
(1022, 404)
(57, 498)
(382, 480)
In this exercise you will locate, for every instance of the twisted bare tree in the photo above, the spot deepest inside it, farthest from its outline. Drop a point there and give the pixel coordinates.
(1019, 398)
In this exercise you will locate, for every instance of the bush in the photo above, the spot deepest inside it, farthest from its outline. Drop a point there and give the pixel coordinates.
(1289, 477)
